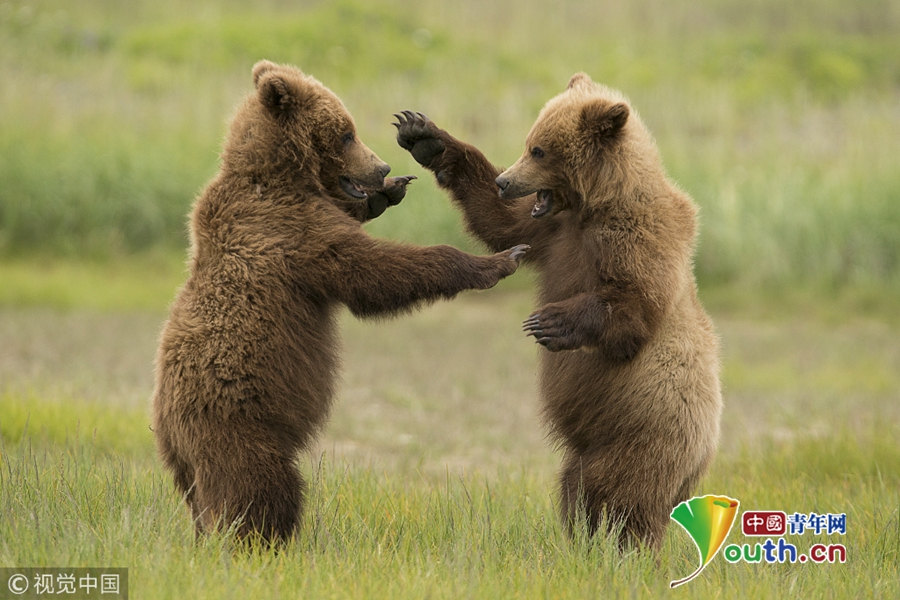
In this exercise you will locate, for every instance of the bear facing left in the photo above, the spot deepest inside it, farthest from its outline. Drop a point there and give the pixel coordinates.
(247, 360)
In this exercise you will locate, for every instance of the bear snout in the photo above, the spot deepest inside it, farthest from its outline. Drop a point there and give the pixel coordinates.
(512, 188)
(375, 178)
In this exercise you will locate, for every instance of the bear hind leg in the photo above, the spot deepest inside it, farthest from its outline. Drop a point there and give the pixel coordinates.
(262, 499)
(574, 501)
(182, 470)
(594, 496)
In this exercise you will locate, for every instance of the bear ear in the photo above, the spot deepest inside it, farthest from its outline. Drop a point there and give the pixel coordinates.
(279, 95)
(602, 121)
(579, 80)
(260, 69)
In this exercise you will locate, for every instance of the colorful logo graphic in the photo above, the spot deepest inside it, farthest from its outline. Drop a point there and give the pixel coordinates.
(763, 522)
(774, 523)
(708, 520)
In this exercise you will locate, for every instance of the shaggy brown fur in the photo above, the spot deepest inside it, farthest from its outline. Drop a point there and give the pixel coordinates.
(630, 384)
(247, 361)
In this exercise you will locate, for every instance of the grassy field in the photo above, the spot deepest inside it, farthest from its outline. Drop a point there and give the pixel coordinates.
(433, 478)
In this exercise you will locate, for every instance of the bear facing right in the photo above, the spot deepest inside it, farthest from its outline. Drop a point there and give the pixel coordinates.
(629, 382)
(248, 359)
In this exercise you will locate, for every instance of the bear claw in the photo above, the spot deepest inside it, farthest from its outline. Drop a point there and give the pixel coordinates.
(416, 134)
(404, 179)
(517, 252)
(532, 326)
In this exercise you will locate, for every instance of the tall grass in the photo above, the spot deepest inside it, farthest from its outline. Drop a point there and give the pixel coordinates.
(781, 120)
(65, 501)
(436, 479)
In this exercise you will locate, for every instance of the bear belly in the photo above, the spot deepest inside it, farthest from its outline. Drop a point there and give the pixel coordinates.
(669, 392)
(266, 378)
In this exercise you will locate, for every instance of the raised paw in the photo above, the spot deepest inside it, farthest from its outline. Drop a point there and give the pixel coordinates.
(549, 328)
(419, 135)
(502, 264)
(517, 252)
(378, 200)
(394, 188)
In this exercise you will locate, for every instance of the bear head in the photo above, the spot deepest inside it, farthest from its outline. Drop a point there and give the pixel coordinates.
(576, 141)
(295, 131)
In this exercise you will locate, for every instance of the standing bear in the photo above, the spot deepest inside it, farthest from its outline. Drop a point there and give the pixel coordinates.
(246, 366)
(629, 385)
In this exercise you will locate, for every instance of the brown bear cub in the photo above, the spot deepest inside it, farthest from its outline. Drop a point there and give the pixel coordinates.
(630, 384)
(246, 366)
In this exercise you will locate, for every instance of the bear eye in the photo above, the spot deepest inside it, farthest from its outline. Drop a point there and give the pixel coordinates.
(347, 137)
(537, 152)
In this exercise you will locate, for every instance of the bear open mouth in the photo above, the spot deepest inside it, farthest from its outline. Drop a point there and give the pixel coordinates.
(543, 205)
(352, 189)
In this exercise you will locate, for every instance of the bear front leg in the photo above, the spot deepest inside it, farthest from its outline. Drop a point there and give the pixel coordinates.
(470, 178)
(619, 329)
(568, 325)
(378, 278)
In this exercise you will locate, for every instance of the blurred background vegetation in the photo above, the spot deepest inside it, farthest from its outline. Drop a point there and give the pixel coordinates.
(782, 119)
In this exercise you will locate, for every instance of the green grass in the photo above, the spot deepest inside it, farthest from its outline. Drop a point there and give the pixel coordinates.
(433, 477)
(143, 282)
(68, 500)
(73, 423)
(780, 120)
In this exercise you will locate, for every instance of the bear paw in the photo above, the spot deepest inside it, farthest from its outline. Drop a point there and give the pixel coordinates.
(390, 195)
(550, 329)
(419, 135)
